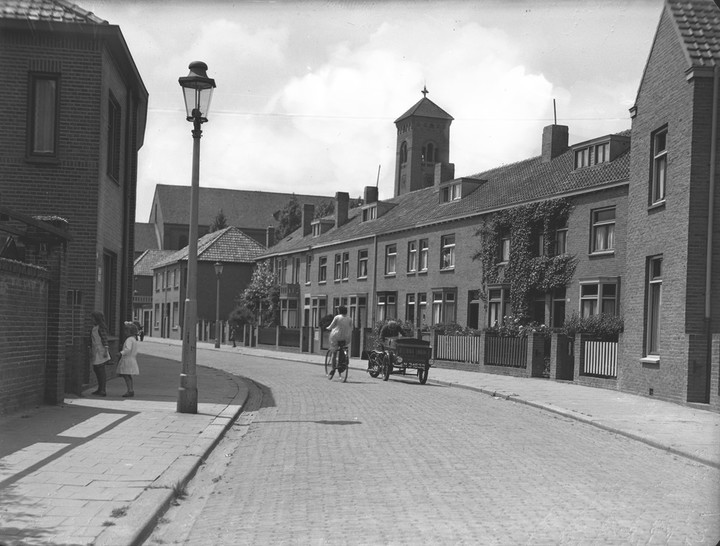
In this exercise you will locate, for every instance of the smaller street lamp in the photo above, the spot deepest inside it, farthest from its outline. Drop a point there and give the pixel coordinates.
(218, 274)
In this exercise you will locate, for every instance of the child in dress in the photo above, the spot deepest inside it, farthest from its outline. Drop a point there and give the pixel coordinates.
(128, 366)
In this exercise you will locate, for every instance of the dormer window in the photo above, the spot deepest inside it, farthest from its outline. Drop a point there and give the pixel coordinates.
(453, 192)
(602, 153)
(316, 229)
(429, 154)
(582, 158)
(369, 213)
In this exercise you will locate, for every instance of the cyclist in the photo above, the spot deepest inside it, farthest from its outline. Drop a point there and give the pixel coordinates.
(340, 332)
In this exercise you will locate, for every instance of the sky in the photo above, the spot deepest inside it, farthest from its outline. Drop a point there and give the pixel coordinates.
(308, 91)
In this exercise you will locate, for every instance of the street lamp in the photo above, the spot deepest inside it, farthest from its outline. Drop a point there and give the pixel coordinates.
(197, 91)
(218, 273)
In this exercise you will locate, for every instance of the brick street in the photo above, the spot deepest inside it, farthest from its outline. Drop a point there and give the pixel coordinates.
(373, 462)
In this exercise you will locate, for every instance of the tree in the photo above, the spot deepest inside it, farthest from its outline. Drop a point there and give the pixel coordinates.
(219, 223)
(289, 218)
(326, 208)
(261, 299)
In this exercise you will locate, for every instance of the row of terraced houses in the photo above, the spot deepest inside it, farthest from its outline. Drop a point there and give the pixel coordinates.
(624, 224)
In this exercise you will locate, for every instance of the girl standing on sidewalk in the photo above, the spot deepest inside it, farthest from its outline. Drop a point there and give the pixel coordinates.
(128, 365)
(100, 353)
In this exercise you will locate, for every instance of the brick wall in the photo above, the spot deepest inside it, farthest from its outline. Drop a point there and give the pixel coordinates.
(23, 334)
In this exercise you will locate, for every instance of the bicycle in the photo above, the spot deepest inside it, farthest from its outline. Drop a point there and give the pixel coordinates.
(342, 362)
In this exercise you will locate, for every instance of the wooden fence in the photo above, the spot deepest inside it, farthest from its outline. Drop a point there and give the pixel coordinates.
(506, 351)
(459, 349)
(599, 358)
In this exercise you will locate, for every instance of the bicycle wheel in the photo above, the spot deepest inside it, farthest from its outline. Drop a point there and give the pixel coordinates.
(345, 366)
(328, 362)
(374, 365)
(387, 367)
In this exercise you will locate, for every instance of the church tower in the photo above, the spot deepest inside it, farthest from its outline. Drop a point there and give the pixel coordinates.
(423, 145)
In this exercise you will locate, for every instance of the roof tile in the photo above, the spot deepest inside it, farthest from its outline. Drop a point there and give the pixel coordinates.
(698, 23)
(59, 11)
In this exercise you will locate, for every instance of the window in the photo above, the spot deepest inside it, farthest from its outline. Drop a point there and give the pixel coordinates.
(452, 192)
(157, 282)
(558, 308)
(474, 303)
(390, 259)
(308, 268)
(316, 229)
(296, 271)
(289, 313)
(43, 113)
(654, 304)
(176, 277)
(423, 263)
(429, 154)
(582, 158)
(175, 314)
(601, 153)
(113, 139)
(362, 272)
(447, 252)
(603, 230)
(338, 267)
(403, 153)
(504, 250)
(318, 309)
(357, 311)
(422, 309)
(386, 305)
(345, 265)
(410, 315)
(560, 241)
(370, 213)
(498, 305)
(443, 307)
(659, 167)
(322, 269)
(282, 270)
(598, 297)
(412, 257)
(109, 289)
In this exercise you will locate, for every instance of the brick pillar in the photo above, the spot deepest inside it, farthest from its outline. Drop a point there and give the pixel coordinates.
(536, 355)
(554, 356)
(58, 371)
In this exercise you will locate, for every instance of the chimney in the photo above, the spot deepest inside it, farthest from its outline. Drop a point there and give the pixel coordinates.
(270, 236)
(554, 141)
(443, 173)
(308, 212)
(371, 195)
(342, 203)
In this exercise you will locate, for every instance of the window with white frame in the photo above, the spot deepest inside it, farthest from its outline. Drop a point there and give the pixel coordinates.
(443, 306)
(338, 267)
(598, 296)
(362, 272)
(296, 270)
(369, 213)
(654, 304)
(602, 153)
(322, 269)
(410, 309)
(282, 270)
(423, 256)
(603, 230)
(504, 250)
(560, 246)
(582, 158)
(659, 166)
(498, 305)
(453, 192)
(345, 266)
(447, 252)
(175, 314)
(386, 305)
(421, 309)
(412, 257)
(308, 268)
(390, 259)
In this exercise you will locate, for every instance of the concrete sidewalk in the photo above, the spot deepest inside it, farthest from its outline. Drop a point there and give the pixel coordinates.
(101, 470)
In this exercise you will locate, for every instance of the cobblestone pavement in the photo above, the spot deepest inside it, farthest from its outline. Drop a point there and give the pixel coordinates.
(373, 462)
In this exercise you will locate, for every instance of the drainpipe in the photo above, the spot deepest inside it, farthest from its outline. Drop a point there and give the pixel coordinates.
(374, 282)
(711, 207)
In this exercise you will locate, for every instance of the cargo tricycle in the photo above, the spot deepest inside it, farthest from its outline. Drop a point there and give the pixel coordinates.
(397, 355)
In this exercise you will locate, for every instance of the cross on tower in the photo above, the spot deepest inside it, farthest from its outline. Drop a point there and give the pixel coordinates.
(425, 91)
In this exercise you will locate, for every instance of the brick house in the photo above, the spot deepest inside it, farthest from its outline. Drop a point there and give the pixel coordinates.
(672, 300)
(143, 279)
(414, 257)
(251, 211)
(229, 246)
(75, 109)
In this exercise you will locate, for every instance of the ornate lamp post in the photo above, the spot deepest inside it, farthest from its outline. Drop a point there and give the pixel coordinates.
(218, 274)
(197, 90)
